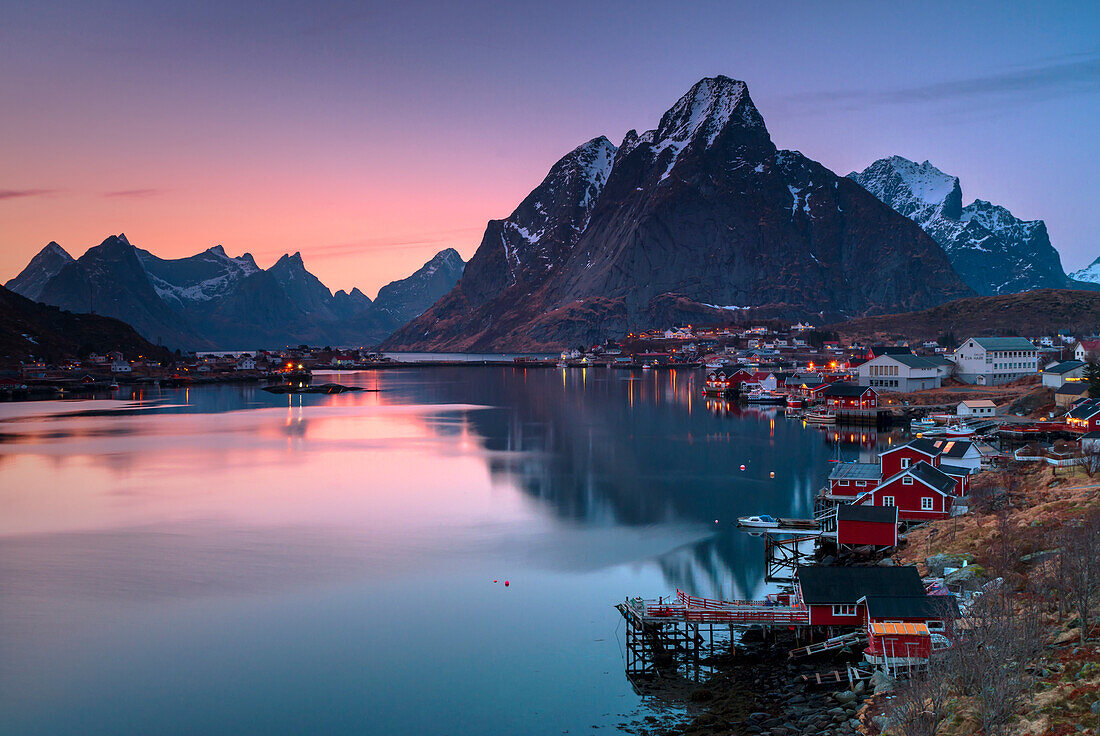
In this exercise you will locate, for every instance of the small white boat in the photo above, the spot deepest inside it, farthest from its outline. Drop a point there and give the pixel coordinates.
(763, 396)
(763, 521)
(958, 430)
(562, 364)
(646, 366)
(819, 417)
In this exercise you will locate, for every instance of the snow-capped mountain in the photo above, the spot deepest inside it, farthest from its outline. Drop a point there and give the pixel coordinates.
(200, 278)
(408, 298)
(212, 300)
(702, 210)
(993, 251)
(43, 267)
(1089, 274)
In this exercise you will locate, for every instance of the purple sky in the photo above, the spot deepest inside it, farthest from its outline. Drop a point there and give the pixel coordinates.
(370, 135)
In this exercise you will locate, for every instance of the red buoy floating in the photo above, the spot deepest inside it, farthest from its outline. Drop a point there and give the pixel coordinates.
(505, 583)
(494, 581)
(742, 467)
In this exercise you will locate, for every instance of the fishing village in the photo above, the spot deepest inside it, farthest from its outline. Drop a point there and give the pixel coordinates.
(928, 593)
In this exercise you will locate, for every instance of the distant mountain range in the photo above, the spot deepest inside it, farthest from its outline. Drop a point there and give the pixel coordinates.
(30, 330)
(993, 251)
(214, 301)
(696, 219)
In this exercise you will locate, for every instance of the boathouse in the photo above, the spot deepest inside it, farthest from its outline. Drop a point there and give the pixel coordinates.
(937, 612)
(921, 492)
(842, 395)
(832, 594)
(897, 644)
(858, 526)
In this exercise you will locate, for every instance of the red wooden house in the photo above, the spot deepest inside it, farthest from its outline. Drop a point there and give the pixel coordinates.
(841, 395)
(897, 644)
(897, 459)
(857, 526)
(921, 492)
(848, 480)
(1085, 416)
(833, 594)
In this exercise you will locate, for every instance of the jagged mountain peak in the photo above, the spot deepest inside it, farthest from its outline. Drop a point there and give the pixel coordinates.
(706, 110)
(46, 264)
(917, 191)
(53, 247)
(994, 251)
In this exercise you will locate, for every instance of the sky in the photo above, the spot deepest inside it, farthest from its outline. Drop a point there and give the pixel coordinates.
(368, 136)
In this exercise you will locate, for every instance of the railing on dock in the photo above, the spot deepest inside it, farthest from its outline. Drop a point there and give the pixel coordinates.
(694, 609)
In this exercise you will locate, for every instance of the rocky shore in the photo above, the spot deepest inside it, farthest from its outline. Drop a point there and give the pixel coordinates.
(758, 691)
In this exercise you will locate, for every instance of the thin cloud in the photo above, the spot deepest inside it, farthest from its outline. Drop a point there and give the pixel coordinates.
(132, 193)
(373, 245)
(1072, 74)
(20, 193)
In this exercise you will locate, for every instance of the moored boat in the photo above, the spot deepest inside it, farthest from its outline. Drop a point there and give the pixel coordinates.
(819, 417)
(763, 521)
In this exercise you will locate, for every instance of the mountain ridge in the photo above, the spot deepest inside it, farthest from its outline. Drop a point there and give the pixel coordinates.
(701, 210)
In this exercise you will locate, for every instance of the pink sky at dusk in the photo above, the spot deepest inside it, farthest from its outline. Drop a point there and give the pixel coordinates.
(370, 136)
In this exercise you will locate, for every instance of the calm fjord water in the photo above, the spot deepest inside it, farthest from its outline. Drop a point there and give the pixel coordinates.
(227, 561)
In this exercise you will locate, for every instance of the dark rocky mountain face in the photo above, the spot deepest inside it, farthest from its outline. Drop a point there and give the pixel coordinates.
(109, 279)
(408, 298)
(43, 267)
(701, 217)
(993, 251)
(214, 301)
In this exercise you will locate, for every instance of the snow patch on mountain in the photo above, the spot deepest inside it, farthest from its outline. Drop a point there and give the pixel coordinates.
(1089, 274)
(994, 251)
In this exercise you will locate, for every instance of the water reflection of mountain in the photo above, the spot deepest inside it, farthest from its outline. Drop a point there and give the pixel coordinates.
(610, 447)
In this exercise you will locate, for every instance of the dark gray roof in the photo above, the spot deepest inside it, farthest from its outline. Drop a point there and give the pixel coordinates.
(1085, 409)
(922, 444)
(953, 448)
(894, 350)
(822, 584)
(954, 469)
(913, 361)
(879, 514)
(1073, 388)
(855, 471)
(846, 389)
(912, 606)
(1064, 367)
(934, 477)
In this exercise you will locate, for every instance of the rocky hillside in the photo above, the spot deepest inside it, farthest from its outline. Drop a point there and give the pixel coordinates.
(29, 330)
(1038, 312)
(214, 301)
(703, 212)
(993, 251)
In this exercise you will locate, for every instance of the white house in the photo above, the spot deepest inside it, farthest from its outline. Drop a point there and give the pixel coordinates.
(899, 373)
(1056, 375)
(992, 361)
(976, 408)
(120, 366)
(246, 363)
(1084, 348)
(960, 454)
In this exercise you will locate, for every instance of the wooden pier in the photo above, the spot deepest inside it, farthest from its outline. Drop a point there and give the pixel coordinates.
(671, 634)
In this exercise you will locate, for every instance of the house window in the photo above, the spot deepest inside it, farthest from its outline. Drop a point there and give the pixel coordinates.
(905, 462)
(861, 483)
(842, 483)
(936, 626)
(926, 503)
(845, 610)
(907, 480)
(887, 500)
